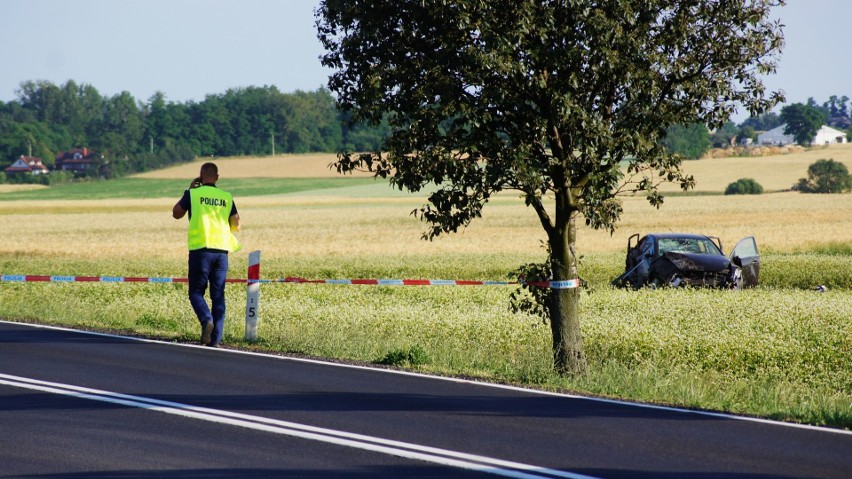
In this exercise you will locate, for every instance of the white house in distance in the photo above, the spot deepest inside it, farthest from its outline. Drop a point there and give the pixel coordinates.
(826, 135)
(28, 164)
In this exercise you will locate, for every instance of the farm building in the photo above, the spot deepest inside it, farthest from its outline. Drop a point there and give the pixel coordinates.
(27, 164)
(826, 135)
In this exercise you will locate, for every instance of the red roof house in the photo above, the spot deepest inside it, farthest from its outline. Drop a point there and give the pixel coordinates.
(27, 164)
(77, 159)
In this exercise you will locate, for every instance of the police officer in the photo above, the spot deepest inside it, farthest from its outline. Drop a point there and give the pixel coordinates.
(212, 219)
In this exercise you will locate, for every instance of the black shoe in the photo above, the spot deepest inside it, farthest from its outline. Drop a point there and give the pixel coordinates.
(206, 331)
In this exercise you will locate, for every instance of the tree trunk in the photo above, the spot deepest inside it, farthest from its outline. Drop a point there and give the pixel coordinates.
(568, 355)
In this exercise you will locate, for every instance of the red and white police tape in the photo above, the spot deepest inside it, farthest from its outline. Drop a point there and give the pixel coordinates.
(21, 278)
(254, 281)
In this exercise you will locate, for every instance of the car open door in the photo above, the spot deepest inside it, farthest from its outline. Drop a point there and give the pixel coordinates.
(745, 256)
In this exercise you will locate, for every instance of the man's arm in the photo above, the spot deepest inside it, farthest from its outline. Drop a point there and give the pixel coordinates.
(178, 212)
(182, 206)
(234, 222)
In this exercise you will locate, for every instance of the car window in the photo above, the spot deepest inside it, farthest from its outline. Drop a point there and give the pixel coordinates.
(746, 248)
(687, 245)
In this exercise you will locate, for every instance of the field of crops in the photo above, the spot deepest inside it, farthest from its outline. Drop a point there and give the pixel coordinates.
(783, 350)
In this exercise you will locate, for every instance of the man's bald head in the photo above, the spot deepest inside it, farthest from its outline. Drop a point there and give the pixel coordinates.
(209, 173)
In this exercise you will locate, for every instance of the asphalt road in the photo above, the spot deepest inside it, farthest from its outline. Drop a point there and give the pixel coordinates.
(83, 405)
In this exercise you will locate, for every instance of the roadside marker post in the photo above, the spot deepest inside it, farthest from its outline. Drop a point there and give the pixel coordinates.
(252, 295)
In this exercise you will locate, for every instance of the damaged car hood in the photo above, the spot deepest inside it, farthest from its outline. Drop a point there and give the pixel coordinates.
(698, 262)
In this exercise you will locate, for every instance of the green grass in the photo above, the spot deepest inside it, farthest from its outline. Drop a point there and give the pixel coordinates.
(131, 188)
(780, 351)
(838, 249)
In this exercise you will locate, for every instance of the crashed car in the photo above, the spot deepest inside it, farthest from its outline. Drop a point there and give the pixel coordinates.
(683, 259)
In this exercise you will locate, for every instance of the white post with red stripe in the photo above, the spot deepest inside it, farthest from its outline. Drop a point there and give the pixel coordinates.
(252, 295)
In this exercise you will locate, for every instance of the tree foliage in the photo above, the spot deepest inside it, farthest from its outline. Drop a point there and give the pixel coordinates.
(546, 98)
(690, 141)
(803, 122)
(135, 136)
(764, 122)
(826, 176)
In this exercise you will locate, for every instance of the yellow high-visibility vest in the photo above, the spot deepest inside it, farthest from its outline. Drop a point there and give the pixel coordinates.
(208, 222)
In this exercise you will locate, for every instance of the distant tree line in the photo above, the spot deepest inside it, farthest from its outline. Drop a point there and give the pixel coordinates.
(803, 120)
(132, 136)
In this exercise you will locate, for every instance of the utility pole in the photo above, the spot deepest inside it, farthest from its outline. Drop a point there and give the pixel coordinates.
(152, 144)
(273, 143)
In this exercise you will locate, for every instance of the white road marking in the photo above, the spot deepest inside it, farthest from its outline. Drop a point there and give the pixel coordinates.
(434, 455)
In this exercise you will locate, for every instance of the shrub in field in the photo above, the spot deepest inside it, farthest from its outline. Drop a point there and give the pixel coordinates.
(826, 176)
(744, 186)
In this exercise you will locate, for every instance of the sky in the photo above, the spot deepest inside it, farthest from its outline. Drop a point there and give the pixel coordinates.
(188, 49)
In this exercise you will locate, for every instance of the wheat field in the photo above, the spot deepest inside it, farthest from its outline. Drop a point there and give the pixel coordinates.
(309, 165)
(316, 224)
(774, 173)
(7, 188)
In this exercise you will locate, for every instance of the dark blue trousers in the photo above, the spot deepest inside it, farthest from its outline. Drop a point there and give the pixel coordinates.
(208, 267)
